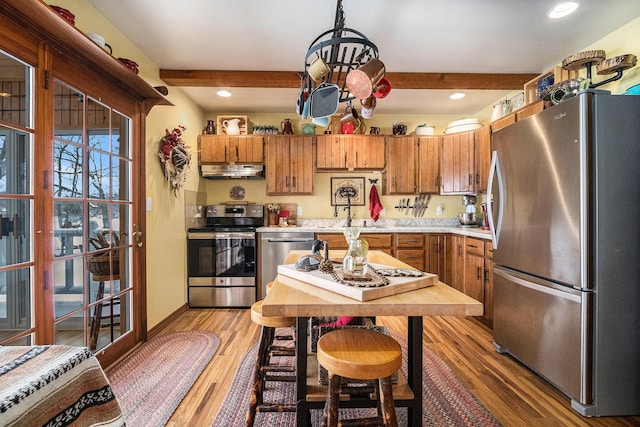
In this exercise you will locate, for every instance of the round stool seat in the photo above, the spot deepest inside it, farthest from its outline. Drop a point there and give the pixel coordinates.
(357, 353)
(271, 322)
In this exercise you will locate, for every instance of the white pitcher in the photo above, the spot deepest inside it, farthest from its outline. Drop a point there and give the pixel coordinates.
(231, 126)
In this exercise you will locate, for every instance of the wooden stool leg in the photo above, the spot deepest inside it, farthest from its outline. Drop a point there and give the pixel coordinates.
(386, 401)
(330, 414)
(266, 337)
(95, 320)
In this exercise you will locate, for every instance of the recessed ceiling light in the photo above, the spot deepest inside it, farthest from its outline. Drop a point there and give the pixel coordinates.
(224, 93)
(457, 95)
(563, 9)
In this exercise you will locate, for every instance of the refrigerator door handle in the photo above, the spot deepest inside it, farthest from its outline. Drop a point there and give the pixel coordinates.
(495, 174)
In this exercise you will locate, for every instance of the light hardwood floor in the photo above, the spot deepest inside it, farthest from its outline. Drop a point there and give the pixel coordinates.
(515, 395)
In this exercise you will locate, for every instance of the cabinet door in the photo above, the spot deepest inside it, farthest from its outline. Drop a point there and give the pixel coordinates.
(401, 165)
(458, 163)
(413, 257)
(334, 240)
(301, 168)
(457, 256)
(429, 164)
(278, 165)
(474, 277)
(368, 152)
(483, 158)
(331, 152)
(437, 252)
(488, 283)
(377, 240)
(246, 149)
(213, 149)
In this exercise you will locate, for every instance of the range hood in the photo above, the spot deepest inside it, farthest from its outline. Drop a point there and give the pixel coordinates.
(232, 171)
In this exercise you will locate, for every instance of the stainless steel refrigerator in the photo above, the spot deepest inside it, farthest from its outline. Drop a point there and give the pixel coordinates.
(565, 219)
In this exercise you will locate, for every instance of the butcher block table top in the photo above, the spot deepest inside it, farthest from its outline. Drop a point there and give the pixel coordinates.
(290, 297)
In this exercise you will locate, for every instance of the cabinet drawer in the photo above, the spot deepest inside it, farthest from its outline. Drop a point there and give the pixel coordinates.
(406, 240)
(377, 241)
(474, 246)
(413, 257)
(334, 240)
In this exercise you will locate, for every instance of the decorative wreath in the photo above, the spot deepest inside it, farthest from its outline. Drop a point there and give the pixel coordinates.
(174, 159)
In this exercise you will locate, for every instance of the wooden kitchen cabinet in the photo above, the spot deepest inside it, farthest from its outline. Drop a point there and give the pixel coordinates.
(376, 241)
(350, 152)
(410, 248)
(429, 164)
(530, 110)
(240, 149)
(289, 164)
(436, 254)
(401, 176)
(487, 318)
(458, 163)
(474, 269)
(483, 158)
(503, 122)
(457, 258)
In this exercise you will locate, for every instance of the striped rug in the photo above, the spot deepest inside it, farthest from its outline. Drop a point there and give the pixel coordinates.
(151, 382)
(446, 401)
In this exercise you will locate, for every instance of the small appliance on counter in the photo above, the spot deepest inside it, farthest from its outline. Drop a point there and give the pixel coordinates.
(468, 218)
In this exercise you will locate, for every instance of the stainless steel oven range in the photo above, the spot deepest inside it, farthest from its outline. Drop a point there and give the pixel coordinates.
(221, 257)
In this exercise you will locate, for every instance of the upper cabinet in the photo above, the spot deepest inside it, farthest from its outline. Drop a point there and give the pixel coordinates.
(289, 164)
(245, 149)
(458, 163)
(400, 176)
(350, 152)
(429, 164)
(483, 158)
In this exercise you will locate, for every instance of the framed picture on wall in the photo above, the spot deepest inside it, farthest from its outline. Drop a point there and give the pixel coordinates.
(343, 189)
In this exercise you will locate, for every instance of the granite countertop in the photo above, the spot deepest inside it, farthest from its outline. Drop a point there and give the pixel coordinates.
(427, 225)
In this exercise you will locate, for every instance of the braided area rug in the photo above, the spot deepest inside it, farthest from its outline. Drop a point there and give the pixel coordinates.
(151, 382)
(446, 401)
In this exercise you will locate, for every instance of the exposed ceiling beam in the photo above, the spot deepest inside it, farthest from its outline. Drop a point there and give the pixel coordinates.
(291, 79)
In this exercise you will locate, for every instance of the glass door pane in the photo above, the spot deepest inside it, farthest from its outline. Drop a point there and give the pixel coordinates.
(91, 219)
(16, 202)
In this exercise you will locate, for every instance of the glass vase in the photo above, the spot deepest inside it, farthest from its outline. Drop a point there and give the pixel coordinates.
(355, 260)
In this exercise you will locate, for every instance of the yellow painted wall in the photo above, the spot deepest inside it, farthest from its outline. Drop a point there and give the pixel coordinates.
(166, 250)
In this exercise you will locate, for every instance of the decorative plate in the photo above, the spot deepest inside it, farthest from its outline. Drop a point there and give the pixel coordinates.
(237, 193)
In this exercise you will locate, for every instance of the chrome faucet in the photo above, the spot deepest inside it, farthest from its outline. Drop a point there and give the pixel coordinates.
(347, 192)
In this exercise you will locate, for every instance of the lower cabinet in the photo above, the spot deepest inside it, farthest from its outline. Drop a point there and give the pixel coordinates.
(409, 248)
(488, 283)
(456, 252)
(376, 241)
(436, 256)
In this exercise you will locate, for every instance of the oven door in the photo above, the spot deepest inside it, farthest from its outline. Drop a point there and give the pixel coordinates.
(221, 269)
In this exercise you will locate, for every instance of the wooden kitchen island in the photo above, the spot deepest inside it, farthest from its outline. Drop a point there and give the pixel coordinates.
(290, 297)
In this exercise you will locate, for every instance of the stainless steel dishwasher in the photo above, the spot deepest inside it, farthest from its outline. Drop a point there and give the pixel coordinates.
(274, 248)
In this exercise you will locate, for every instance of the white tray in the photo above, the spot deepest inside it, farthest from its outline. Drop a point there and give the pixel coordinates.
(397, 285)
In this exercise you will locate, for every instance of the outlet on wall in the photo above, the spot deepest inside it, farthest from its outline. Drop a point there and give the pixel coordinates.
(299, 211)
(439, 210)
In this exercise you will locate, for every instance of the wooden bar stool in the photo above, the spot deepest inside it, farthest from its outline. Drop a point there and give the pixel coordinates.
(362, 354)
(263, 369)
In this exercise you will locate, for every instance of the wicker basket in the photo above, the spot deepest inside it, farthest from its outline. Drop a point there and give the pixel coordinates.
(104, 263)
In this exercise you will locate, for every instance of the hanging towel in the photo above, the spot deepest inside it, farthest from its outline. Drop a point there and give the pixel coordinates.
(375, 207)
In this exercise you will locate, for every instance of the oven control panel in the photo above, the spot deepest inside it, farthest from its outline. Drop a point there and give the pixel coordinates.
(235, 211)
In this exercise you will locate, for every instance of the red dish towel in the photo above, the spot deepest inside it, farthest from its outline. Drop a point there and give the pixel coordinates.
(375, 207)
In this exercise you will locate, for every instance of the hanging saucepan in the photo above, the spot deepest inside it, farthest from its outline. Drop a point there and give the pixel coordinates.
(324, 100)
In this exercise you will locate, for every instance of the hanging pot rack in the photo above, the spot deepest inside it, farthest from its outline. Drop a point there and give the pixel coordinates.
(342, 49)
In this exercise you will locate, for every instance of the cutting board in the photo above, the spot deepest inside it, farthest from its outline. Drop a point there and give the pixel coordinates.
(397, 285)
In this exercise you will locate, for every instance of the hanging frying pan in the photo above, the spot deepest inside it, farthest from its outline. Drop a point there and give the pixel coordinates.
(324, 101)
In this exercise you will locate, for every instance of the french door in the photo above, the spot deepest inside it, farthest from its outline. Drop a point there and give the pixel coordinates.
(70, 228)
